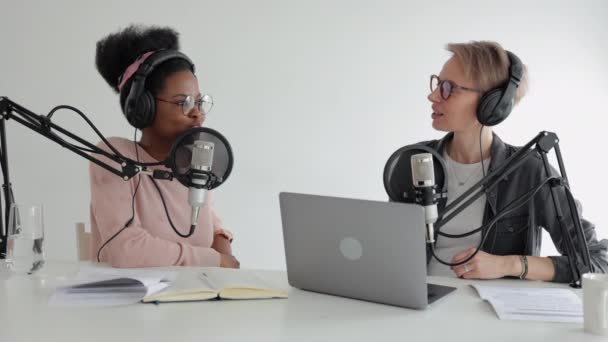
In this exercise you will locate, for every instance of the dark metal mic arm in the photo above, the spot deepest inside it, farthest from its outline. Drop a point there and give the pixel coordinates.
(42, 125)
(9, 110)
(541, 144)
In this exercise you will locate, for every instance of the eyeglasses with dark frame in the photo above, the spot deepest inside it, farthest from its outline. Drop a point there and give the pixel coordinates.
(447, 87)
(204, 104)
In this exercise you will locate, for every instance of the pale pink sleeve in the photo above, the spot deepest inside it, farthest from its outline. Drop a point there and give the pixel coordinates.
(134, 247)
(217, 222)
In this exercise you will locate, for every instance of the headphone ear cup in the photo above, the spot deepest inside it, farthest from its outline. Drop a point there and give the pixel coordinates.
(496, 105)
(148, 109)
(140, 113)
(488, 114)
(130, 109)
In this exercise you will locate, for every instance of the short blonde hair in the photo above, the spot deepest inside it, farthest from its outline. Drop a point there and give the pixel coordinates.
(486, 63)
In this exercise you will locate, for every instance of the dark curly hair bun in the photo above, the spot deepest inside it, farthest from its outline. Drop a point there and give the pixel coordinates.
(117, 51)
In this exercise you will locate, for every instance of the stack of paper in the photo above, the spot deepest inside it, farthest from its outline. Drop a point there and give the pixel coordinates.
(533, 304)
(97, 286)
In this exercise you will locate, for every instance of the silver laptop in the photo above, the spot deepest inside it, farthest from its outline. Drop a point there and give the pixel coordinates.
(361, 249)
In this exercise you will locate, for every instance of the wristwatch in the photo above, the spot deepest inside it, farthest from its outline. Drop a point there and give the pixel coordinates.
(225, 233)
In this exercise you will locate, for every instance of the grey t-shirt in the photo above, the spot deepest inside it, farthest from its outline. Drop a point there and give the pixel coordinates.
(460, 178)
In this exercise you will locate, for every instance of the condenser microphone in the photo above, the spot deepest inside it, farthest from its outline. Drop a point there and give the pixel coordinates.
(200, 174)
(423, 178)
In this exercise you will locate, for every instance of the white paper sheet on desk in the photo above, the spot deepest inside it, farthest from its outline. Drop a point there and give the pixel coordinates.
(104, 286)
(533, 304)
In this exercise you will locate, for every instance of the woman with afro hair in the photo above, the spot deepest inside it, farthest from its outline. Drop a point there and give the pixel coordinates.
(129, 225)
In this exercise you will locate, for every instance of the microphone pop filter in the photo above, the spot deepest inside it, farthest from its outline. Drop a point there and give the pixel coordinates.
(398, 181)
(181, 155)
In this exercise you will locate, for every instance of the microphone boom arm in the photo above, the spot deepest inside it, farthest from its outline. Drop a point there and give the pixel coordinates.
(43, 126)
(541, 144)
(9, 110)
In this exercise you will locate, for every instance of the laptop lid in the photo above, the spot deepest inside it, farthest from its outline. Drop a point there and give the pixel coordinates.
(361, 249)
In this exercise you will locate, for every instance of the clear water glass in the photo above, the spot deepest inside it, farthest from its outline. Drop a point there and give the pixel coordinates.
(25, 238)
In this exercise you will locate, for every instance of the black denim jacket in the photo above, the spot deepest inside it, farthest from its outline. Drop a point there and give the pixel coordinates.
(519, 233)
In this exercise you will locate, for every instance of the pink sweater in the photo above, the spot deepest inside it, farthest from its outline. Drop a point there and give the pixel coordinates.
(149, 240)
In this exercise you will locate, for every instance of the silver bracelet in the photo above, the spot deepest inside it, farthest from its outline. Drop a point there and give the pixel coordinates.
(524, 266)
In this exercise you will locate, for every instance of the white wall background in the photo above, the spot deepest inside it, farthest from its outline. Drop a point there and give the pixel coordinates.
(313, 95)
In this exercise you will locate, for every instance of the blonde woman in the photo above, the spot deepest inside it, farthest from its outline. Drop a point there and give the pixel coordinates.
(476, 71)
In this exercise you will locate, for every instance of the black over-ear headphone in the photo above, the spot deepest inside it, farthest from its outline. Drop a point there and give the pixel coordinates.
(496, 104)
(140, 106)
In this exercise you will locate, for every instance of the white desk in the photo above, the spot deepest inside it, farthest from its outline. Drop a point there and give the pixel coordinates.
(305, 316)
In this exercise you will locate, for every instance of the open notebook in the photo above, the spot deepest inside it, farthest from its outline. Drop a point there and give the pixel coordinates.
(217, 283)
